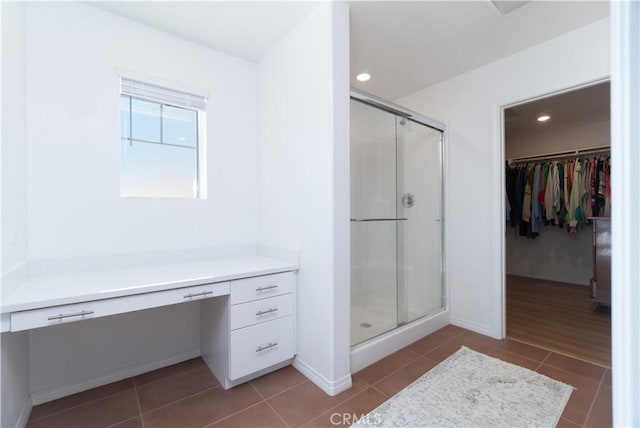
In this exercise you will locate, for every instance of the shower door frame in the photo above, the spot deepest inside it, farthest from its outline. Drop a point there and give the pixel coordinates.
(379, 103)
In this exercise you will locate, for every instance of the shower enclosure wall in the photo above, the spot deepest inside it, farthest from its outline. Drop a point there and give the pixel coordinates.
(396, 218)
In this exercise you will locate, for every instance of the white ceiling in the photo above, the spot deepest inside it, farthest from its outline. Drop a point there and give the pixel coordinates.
(246, 29)
(405, 46)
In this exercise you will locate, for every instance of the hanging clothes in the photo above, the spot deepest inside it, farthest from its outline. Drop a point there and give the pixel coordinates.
(607, 193)
(602, 185)
(536, 213)
(526, 201)
(561, 210)
(569, 169)
(585, 200)
(523, 226)
(565, 188)
(544, 173)
(595, 176)
(511, 180)
(549, 193)
(574, 214)
(557, 192)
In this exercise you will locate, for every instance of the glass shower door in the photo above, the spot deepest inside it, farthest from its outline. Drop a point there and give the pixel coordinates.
(419, 238)
(374, 264)
(396, 221)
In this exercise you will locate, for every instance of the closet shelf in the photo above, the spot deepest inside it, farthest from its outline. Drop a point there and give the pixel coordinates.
(563, 154)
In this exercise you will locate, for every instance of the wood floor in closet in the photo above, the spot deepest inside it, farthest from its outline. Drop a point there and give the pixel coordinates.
(559, 317)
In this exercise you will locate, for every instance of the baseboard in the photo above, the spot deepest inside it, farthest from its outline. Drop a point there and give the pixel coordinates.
(375, 349)
(469, 325)
(39, 397)
(25, 413)
(560, 281)
(332, 388)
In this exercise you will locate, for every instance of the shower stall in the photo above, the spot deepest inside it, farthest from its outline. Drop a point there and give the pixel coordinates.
(396, 218)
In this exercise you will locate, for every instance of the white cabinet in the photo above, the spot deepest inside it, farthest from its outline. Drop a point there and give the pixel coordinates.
(258, 311)
(252, 331)
(263, 345)
(260, 287)
(60, 314)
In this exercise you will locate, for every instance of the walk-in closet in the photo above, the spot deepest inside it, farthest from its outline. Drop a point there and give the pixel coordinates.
(558, 208)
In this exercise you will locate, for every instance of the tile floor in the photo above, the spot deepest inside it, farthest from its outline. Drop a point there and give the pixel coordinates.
(187, 394)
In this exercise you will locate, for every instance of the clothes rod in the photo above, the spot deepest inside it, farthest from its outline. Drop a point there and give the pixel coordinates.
(565, 154)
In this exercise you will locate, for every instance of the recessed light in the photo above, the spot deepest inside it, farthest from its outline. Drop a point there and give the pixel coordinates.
(363, 77)
(543, 118)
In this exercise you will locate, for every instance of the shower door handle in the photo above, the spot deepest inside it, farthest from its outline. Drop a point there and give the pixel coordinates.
(359, 220)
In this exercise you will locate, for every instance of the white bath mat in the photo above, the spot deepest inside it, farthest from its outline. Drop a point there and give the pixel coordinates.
(470, 389)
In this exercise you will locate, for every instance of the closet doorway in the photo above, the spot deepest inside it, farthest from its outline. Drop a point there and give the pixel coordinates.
(557, 240)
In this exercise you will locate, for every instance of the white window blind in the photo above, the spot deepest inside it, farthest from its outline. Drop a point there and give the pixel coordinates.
(161, 94)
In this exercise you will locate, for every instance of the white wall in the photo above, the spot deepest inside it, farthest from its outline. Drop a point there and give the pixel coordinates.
(304, 181)
(14, 366)
(554, 255)
(340, 72)
(14, 147)
(470, 104)
(592, 133)
(75, 208)
(625, 245)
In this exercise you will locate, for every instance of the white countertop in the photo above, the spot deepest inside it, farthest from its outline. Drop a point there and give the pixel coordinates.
(61, 289)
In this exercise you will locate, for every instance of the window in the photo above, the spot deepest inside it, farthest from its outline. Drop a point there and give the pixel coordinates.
(161, 137)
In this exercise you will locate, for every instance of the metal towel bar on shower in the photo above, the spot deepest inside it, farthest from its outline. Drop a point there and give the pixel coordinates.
(358, 220)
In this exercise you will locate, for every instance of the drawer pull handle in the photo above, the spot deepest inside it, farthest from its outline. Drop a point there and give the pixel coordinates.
(76, 314)
(266, 311)
(203, 293)
(267, 288)
(265, 347)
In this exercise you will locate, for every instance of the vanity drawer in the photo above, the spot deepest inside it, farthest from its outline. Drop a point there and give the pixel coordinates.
(259, 346)
(62, 314)
(259, 287)
(257, 311)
